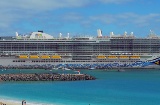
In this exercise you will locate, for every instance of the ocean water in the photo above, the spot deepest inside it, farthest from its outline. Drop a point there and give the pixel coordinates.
(132, 87)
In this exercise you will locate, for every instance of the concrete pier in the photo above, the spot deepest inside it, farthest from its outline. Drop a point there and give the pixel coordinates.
(45, 77)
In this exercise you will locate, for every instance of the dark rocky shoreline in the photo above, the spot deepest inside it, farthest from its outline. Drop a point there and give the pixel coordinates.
(45, 77)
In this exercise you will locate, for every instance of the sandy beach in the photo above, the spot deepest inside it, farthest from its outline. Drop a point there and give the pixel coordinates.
(11, 102)
(3, 102)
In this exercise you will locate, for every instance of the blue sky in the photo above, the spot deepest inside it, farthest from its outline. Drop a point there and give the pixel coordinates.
(80, 16)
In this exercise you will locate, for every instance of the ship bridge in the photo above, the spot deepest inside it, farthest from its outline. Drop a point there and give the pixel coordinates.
(82, 38)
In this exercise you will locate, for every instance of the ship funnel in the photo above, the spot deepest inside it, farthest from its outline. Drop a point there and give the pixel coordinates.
(99, 32)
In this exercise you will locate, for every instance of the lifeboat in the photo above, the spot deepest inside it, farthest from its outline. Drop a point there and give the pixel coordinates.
(101, 57)
(45, 56)
(23, 56)
(33, 56)
(135, 57)
(123, 57)
(56, 57)
(112, 57)
(157, 62)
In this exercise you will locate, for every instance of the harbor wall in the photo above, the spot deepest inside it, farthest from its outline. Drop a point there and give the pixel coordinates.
(45, 77)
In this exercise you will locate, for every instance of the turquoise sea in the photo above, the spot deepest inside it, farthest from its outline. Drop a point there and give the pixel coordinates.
(132, 87)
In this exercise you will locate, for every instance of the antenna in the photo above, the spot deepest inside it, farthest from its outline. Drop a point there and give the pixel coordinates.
(125, 33)
(99, 32)
(16, 34)
(152, 34)
(111, 34)
(67, 35)
(60, 35)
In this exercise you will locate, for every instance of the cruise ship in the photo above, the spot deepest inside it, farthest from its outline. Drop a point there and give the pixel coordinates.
(41, 50)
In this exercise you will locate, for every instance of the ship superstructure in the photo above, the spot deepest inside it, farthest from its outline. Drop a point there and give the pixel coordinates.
(41, 50)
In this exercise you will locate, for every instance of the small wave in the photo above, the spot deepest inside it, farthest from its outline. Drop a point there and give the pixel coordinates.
(18, 102)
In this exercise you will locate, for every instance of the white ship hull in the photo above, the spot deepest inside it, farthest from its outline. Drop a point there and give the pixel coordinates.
(13, 62)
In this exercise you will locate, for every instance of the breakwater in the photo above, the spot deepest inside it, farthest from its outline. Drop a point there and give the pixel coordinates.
(45, 77)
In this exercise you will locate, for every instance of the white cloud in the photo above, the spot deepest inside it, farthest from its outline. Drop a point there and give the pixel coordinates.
(72, 17)
(39, 5)
(115, 1)
(12, 11)
(127, 18)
